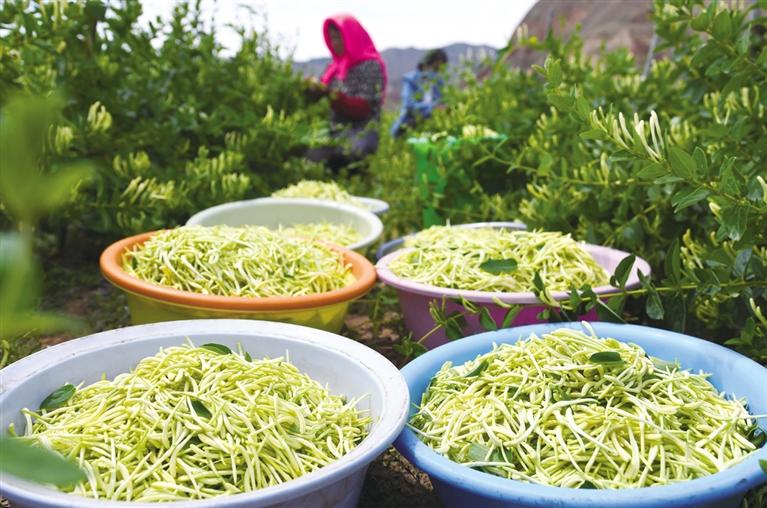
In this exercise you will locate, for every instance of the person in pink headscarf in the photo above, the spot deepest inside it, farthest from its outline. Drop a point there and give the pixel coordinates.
(354, 81)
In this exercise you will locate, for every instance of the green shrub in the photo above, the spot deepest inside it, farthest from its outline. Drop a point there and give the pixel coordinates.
(669, 165)
(172, 124)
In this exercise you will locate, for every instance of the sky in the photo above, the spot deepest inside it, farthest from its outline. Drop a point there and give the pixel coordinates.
(297, 24)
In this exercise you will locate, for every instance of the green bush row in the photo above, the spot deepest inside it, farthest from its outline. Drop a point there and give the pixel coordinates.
(668, 164)
(171, 125)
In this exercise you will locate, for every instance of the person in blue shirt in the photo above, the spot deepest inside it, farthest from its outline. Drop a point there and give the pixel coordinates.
(421, 91)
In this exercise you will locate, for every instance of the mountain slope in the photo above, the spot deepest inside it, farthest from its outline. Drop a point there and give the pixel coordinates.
(610, 24)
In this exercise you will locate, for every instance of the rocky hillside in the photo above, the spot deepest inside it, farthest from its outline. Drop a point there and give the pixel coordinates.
(612, 23)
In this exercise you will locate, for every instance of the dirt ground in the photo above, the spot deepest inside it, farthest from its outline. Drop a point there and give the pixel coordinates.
(81, 291)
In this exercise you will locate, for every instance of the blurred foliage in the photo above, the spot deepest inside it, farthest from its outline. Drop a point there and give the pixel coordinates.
(171, 125)
(29, 189)
(27, 127)
(40, 465)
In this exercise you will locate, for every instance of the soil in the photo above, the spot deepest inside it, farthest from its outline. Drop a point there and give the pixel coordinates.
(81, 292)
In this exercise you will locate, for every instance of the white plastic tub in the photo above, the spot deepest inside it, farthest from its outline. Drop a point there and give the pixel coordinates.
(347, 367)
(274, 212)
(377, 206)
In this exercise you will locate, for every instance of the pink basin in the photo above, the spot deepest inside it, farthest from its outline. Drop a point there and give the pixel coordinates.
(414, 297)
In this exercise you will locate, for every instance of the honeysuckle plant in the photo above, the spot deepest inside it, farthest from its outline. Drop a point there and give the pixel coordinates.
(668, 164)
(171, 123)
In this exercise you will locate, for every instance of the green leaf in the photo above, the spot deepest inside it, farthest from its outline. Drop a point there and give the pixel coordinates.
(717, 131)
(58, 398)
(757, 436)
(57, 188)
(704, 55)
(454, 323)
(546, 161)
(722, 28)
(730, 181)
(652, 171)
(653, 305)
(607, 358)
(498, 266)
(477, 452)
(453, 330)
(479, 369)
(200, 409)
(763, 465)
(711, 10)
(27, 190)
(456, 317)
(664, 365)
(409, 348)
(622, 272)
(682, 164)
(486, 320)
(592, 134)
(418, 349)
(668, 179)
(94, 11)
(217, 348)
(248, 357)
(673, 262)
(511, 314)
(561, 394)
(741, 262)
(432, 218)
(689, 197)
(700, 22)
(734, 221)
(700, 160)
(37, 322)
(735, 82)
(19, 288)
(675, 311)
(606, 312)
(470, 306)
(21, 459)
(437, 312)
(762, 58)
(583, 108)
(561, 102)
(19, 278)
(587, 485)
(554, 73)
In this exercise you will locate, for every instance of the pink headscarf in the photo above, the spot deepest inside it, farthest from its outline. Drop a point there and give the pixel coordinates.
(358, 47)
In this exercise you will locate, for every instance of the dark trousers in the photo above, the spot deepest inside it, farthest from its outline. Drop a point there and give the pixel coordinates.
(353, 145)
